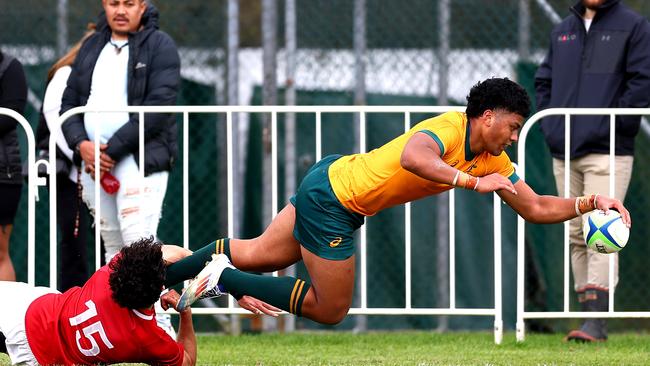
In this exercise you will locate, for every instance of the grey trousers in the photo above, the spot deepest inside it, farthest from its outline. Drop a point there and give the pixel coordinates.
(588, 175)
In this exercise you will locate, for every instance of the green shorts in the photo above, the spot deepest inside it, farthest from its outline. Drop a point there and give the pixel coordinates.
(323, 226)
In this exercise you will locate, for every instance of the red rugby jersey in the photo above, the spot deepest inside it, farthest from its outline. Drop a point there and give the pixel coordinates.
(85, 326)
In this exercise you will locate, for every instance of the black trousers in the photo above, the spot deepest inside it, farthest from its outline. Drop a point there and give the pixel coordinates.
(73, 252)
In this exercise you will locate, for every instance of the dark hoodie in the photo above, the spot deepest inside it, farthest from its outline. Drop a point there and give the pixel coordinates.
(13, 95)
(153, 79)
(607, 67)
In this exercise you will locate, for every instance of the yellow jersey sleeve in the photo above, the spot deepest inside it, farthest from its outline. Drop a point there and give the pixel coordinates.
(444, 132)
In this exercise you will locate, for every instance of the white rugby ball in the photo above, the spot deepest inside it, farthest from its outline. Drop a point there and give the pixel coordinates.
(605, 232)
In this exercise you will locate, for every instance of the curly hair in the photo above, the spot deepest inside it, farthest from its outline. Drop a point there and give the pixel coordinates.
(497, 93)
(137, 274)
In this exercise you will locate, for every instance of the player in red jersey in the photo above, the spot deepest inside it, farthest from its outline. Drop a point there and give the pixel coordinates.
(110, 319)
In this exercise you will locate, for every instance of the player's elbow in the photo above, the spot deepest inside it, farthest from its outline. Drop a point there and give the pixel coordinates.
(534, 214)
(188, 360)
(408, 161)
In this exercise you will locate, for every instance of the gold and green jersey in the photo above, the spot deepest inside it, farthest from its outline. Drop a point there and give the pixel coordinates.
(370, 182)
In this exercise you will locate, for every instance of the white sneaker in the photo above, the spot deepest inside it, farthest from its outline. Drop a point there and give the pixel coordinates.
(205, 284)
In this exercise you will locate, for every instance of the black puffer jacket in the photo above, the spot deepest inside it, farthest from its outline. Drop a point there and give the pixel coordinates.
(13, 95)
(607, 67)
(153, 79)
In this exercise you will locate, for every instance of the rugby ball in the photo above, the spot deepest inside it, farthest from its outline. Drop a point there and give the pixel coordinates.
(605, 232)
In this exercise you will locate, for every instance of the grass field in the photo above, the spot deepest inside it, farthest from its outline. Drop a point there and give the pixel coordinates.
(409, 348)
(416, 348)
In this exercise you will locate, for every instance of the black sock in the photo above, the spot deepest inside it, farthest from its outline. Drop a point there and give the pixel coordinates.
(286, 293)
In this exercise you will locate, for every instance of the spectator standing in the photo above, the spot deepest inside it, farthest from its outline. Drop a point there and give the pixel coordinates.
(128, 61)
(72, 214)
(598, 57)
(13, 95)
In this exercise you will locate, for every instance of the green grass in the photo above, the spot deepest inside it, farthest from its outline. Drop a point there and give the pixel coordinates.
(410, 348)
(416, 348)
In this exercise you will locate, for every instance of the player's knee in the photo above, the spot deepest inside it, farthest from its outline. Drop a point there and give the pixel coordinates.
(337, 318)
(334, 318)
(334, 314)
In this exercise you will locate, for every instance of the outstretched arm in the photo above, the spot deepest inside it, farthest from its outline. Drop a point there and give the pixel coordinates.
(421, 156)
(186, 334)
(187, 337)
(257, 306)
(552, 209)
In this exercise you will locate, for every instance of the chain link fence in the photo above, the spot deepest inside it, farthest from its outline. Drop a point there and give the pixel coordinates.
(402, 52)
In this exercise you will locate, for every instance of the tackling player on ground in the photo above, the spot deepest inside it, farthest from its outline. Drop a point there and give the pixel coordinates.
(451, 150)
(110, 319)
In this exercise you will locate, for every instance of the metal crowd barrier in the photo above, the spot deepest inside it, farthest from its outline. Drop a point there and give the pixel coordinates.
(522, 314)
(318, 111)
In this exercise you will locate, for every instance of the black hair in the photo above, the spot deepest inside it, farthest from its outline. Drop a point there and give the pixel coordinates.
(497, 93)
(137, 274)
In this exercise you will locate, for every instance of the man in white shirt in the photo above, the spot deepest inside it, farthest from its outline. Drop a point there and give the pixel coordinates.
(127, 62)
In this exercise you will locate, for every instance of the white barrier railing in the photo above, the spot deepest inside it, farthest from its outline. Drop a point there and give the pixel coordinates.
(522, 314)
(363, 309)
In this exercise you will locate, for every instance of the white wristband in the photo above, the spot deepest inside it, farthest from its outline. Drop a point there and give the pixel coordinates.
(576, 207)
(476, 185)
(595, 198)
(453, 183)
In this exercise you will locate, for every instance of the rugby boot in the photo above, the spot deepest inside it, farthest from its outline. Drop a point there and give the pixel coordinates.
(593, 329)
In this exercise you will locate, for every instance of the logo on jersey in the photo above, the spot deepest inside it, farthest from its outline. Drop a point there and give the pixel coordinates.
(335, 243)
(566, 37)
(469, 170)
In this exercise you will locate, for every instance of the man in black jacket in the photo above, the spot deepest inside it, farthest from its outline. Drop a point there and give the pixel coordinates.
(127, 62)
(13, 95)
(598, 58)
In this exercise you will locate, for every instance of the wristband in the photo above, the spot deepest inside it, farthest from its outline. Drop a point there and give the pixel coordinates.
(471, 182)
(464, 180)
(585, 204)
(453, 183)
